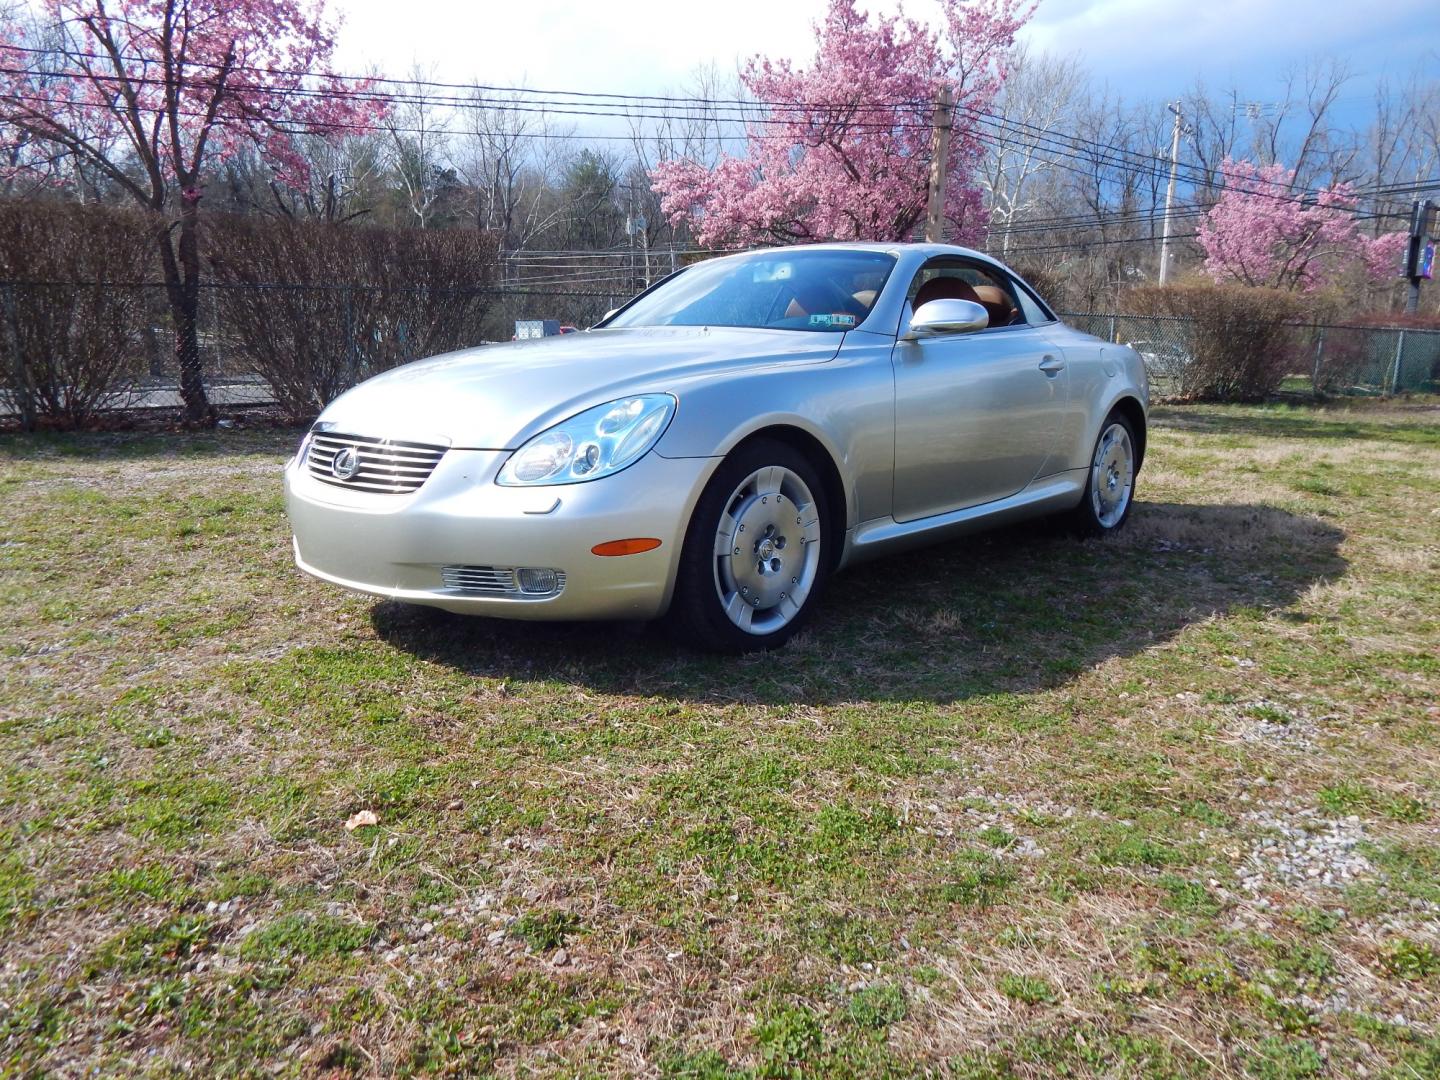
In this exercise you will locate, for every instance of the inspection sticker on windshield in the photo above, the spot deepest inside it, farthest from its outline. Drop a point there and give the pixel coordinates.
(832, 320)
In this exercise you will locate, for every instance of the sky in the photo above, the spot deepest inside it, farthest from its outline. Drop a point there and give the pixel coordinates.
(1151, 49)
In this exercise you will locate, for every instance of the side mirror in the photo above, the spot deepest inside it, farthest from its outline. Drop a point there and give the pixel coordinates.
(946, 317)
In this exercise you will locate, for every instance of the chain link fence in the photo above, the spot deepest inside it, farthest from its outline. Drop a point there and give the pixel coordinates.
(69, 351)
(1323, 359)
(72, 350)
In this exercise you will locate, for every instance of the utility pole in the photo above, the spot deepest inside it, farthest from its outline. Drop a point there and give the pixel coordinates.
(1419, 253)
(630, 234)
(1170, 195)
(939, 163)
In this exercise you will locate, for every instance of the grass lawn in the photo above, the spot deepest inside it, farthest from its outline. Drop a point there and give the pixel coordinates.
(1016, 806)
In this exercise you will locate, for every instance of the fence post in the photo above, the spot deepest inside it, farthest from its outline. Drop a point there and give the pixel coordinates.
(1399, 352)
(24, 390)
(352, 357)
(1319, 355)
(1114, 333)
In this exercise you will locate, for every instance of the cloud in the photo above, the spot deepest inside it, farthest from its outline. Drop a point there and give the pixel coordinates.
(636, 46)
(1144, 48)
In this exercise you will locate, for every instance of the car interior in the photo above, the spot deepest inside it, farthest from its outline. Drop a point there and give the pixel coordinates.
(971, 283)
(826, 290)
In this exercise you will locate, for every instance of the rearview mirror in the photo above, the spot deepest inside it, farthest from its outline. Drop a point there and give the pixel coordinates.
(946, 317)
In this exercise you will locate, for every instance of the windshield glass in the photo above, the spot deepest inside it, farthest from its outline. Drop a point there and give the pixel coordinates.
(827, 291)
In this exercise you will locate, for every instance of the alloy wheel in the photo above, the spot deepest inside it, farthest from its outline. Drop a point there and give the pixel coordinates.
(767, 550)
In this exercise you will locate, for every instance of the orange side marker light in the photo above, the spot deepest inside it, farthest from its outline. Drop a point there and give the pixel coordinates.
(633, 546)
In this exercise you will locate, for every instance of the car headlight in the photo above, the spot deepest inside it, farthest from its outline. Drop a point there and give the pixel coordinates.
(595, 443)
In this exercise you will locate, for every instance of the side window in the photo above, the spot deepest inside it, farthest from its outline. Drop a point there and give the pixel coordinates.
(1031, 308)
(953, 280)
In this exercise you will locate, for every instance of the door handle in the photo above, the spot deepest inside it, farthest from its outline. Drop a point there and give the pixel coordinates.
(1051, 365)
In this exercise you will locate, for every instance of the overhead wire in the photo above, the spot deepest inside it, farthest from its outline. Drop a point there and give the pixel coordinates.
(1072, 152)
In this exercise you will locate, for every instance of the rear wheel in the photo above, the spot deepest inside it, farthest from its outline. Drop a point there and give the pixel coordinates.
(755, 557)
(1110, 487)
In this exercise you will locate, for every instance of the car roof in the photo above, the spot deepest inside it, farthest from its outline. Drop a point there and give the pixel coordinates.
(927, 250)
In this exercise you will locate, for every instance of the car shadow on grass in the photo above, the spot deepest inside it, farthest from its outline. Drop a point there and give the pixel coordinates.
(1011, 611)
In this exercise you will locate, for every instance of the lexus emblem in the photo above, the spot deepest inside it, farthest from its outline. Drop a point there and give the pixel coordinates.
(346, 464)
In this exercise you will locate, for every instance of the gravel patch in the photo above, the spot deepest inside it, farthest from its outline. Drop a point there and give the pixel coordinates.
(1275, 723)
(1304, 851)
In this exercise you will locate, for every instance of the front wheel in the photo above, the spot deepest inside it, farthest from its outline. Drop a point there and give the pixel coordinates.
(756, 555)
(1110, 487)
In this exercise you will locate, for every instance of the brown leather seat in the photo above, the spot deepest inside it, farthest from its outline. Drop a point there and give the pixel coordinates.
(997, 303)
(945, 288)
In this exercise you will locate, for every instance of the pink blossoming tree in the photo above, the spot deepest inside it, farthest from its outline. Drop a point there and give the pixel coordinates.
(841, 150)
(152, 94)
(1260, 232)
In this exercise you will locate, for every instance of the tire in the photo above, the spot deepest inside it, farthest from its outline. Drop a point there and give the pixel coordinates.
(1110, 485)
(757, 552)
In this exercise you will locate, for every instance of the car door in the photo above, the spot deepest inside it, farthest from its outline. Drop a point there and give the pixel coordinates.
(977, 415)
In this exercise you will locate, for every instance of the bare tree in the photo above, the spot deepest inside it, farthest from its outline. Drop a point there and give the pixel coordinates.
(418, 140)
(509, 157)
(1211, 136)
(1297, 127)
(697, 129)
(1038, 98)
(1401, 146)
(346, 179)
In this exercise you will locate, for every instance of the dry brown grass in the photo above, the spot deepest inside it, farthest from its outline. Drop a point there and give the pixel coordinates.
(991, 816)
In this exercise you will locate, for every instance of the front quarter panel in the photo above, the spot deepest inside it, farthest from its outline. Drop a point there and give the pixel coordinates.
(847, 405)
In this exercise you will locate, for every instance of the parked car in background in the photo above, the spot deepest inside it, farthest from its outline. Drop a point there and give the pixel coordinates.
(1163, 359)
(716, 449)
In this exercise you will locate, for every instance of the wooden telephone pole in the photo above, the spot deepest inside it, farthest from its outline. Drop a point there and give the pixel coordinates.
(939, 163)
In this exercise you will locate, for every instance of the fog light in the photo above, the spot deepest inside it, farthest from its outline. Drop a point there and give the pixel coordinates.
(536, 580)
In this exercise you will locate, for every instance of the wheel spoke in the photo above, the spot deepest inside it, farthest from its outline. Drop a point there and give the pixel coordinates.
(768, 481)
(739, 611)
(725, 535)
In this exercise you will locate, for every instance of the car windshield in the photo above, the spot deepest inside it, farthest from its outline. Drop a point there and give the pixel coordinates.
(827, 291)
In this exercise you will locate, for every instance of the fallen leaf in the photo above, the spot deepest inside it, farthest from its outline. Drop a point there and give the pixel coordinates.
(361, 818)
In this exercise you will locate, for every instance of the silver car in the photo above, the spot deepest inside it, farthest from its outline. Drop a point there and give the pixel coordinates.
(716, 449)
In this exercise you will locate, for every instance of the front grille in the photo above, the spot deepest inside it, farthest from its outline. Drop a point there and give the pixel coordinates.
(496, 581)
(385, 466)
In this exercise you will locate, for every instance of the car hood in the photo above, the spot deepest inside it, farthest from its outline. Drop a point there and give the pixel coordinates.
(496, 396)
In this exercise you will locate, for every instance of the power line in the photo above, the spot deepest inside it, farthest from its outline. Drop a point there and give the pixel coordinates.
(1082, 244)
(1142, 215)
(394, 81)
(1053, 148)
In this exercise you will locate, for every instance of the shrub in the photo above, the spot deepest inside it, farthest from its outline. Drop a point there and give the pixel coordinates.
(316, 307)
(1047, 281)
(71, 318)
(1242, 341)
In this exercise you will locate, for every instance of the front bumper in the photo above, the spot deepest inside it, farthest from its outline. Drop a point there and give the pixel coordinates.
(396, 545)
